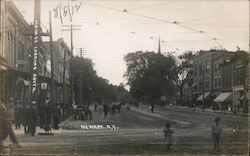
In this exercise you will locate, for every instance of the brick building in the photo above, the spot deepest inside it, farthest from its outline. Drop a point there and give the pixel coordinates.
(207, 75)
(59, 49)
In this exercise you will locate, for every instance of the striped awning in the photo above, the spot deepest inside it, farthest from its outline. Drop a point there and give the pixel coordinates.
(224, 97)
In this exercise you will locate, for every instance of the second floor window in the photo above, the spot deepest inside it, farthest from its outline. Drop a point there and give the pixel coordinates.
(207, 66)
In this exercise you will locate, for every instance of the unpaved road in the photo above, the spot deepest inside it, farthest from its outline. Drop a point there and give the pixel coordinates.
(140, 132)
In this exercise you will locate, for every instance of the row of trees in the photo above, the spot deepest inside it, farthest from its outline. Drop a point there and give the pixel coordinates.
(150, 76)
(153, 75)
(88, 86)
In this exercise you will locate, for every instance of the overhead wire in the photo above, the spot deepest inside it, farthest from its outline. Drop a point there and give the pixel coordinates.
(153, 18)
(150, 6)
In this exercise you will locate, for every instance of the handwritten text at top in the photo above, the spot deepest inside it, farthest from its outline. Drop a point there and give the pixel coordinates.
(64, 11)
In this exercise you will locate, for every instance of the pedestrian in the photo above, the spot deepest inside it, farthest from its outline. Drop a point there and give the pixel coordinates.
(96, 105)
(47, 111)
(216, 133)
(5, 128)
(57, 116)
(105, 109)
(168, 135)
(17, 115)
(152, 108)
(26, 118)
(32, 119)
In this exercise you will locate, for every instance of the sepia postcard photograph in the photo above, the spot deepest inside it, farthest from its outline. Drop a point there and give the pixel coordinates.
(124, 77)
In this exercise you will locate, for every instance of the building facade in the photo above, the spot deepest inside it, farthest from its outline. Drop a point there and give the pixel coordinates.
(3, 60)
(207, 76)
(61, 59)
(16, 53)
(239, 81)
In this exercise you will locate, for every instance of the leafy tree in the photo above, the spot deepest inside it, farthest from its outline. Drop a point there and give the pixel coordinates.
(148, 75)
(183, 72)
(88, 86)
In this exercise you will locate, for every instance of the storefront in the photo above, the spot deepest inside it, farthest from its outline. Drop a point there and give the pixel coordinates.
(224, 101)
(239, 98)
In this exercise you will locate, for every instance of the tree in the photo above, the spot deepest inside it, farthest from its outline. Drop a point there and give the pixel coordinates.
(147, 75)
(88, 86)
(183, 72)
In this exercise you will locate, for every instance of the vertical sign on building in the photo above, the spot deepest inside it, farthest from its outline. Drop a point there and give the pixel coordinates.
(36, 39)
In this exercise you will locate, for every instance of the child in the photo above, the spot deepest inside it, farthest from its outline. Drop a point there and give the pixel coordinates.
(168, 135)
(216, 133)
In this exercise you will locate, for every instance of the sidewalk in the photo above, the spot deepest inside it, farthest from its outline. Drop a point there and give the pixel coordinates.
(206, 110)
(8, 145)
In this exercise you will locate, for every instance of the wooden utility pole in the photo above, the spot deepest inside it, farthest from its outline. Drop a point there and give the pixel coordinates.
(70, 28)
(52, 82)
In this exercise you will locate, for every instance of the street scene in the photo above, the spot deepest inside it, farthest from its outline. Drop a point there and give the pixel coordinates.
(88, 77)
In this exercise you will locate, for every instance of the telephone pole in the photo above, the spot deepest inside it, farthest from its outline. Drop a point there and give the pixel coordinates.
(52, 83)
(71, 29)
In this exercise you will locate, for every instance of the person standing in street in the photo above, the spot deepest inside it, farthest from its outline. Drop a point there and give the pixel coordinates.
(5, 128)
(152, 108)
(17, 114)
(56, 116)
(168, 135)
(216, 133)
(32, 119)
(105, 109)
(48, 112)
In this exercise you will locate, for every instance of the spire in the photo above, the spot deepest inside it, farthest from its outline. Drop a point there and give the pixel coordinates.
(159, 46)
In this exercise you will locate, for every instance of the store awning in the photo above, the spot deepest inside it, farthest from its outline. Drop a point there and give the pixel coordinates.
(224, 97)
(194, 84)
(206, 95)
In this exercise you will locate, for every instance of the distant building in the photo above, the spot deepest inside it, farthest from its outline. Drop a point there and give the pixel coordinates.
(239, 80)
(59, 49)
(207, 76)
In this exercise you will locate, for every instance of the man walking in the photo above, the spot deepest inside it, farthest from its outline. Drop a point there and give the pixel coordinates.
(216, 133)
(33, 119)
(17, 114)
(105, 109)
(152, 108)
(5, 128)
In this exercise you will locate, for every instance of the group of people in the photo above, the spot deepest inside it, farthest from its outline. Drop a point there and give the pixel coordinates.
(24, 114)
(29, 115)
(46, 112)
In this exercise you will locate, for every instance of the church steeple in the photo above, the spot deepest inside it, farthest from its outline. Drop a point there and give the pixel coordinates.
(159, 46)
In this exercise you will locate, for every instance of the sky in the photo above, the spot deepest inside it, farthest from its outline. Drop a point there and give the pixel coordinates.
(112, 28)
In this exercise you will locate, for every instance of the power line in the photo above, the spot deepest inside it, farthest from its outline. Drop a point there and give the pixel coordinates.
(150, 6)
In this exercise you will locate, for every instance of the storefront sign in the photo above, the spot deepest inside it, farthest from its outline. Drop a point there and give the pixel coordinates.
(35, 70)
(44, 86)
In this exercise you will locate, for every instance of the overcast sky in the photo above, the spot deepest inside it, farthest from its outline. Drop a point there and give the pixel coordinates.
(109, 32)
